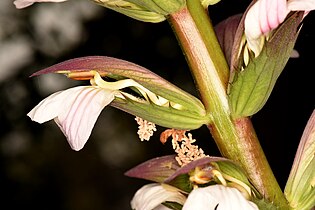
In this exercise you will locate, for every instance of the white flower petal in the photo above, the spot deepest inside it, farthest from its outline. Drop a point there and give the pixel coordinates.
(75, 110)
(50, 107)
(19, 4)
(301, 5)
(217, 197)
(152, 195)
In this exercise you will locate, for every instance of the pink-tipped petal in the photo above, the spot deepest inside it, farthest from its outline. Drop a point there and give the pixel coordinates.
(20, 4)
(75, 111)
(262, 17)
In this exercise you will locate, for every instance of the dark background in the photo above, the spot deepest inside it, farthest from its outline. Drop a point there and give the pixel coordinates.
(38, 169)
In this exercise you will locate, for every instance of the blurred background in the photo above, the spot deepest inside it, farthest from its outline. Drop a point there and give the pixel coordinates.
(38, 169)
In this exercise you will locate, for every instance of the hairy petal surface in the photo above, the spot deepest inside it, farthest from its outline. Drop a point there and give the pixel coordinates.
(20, 4)
(217, 197)
(151, 196)
(75, 111)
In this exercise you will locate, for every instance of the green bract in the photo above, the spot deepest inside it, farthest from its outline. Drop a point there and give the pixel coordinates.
(252, 86)
(148, 11)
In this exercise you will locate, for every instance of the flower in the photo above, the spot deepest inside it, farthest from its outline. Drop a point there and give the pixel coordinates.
(76, 110)
(151, 196)
(266, 15)
(217, 197)
(20, 4)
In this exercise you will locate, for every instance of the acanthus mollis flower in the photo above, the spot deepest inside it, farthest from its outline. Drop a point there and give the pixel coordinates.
(76, 110)
(25, 3)
(266, 15)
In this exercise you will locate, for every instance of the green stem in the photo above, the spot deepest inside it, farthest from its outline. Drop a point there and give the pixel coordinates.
(236, 139)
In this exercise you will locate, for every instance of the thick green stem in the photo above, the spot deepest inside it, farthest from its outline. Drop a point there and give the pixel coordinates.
(236, 139)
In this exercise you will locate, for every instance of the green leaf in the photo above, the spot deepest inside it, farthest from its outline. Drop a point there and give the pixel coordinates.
(252, 86)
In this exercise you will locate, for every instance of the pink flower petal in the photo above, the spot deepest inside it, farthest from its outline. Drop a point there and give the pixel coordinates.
(262, 17)
(75, 111)
(19, 4)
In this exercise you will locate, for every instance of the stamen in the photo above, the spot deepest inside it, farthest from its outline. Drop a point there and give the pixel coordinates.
(182, 144)
(147, 94)
(146, 129)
